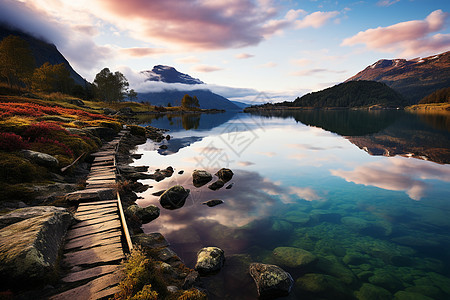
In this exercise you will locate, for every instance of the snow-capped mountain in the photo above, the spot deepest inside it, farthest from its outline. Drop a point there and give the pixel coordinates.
(414, 79)
(170, 75)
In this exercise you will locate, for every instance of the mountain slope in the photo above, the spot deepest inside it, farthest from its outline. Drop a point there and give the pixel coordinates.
(42, 51)
(167, 74)
(414, 79)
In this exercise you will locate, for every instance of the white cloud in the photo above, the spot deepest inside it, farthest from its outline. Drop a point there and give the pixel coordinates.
(316, 19)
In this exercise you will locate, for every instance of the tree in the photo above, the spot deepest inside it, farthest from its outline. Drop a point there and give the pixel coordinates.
(52, 78)
(16, 61)
(132, 95)
(110, 87)
(189, 102)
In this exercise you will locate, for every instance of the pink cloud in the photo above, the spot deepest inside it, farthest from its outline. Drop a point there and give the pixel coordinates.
(410, 38)
(197, 24)
(316, 19)
(142, 52)
(243, 56)
(206, 69)
(387, 2)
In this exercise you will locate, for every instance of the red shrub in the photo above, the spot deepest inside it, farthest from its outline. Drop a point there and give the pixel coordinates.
(42, 129)
(51, 146)
(11, 142)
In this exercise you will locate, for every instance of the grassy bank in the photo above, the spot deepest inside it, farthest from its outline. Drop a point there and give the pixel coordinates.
(430, 107)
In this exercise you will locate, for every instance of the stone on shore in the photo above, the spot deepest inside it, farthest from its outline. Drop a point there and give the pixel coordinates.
(39, 158)
(216, 185)
(271, 280)
(225, 174)
(174, 197)
(29, 247)
(209, 260)
(150, 240)
(201, 177)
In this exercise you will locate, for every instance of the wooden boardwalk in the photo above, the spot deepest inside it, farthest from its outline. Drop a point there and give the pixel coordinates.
(94, 246)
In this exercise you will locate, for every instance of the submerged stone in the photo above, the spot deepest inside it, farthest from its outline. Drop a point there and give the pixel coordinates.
(322, 286)
(271, 280)
(402, 295)
(209, 260)
(293, 257)
(331, 265)
(371, 292)
(386, 280)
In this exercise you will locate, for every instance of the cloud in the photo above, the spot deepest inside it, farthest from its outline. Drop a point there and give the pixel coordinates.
(410, 38)
(316, 19)
(188, 60)
(142, 51)
(245, 163)
(397, 174)
(198, 24)
(268, 154)
(206, 68)
(269, 64)
(307, 194)
(311, 72)
(301, 61)
(243, 56)
(74, 41)
(387, 2)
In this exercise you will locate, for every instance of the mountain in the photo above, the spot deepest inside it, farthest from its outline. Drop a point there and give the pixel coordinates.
(351, 94)
(413, 79)
(42, 51)
(167, 74)
(241, 104)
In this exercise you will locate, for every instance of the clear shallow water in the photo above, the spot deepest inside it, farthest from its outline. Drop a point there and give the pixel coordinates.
(379, 225)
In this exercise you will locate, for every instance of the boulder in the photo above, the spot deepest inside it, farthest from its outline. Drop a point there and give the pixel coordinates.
(320, 286)
(192, 279)
(39, 158)
(225, 174)
(271, 281)
(372, 292)
(27, 213)
(209, 260)
(293, 257)
(216, 185)
(385, 279)
(403, 295)
(201, 177)
(174, 197)
(109, 111)
(131, 169)
(92, 195)
(144, 214)
(29, 248)
(150, 240)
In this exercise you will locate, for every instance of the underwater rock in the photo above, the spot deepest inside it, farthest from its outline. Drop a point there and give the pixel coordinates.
(322, 286)
(386, 280)
(354, 223)
(371, 292)
(209, 260)
(293, 257)
(271, 281)
(201, 177)
(319, 215)
(355, 258)
(144, 214)
(174, 197)
(225, 174)
(282, 226)
(298, 217)
(427, 290)
(213, 202)
(414, 241)
(402, 295)
(330, 265)
(216, 185)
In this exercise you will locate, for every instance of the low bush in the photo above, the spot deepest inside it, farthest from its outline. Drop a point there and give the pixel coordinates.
(11, 142)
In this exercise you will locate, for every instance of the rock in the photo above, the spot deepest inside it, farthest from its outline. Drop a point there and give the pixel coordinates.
(225, 174)
(213, 202)
(180, 172)
(164, 147)
(29, 248)
(138, 176)
(297, 217)
(77, 102)
(293, 257)
(271, 281)
(136, 155)
(144, 214)
(427, 290)
(131, 169)
(150, 240)
(386, 280)
(216, 185)
(193, 278)
(27, 213)
(168, 137)
(402, 295)
(320, 286)
(209, 260)
(104, 133)
(332, 266)
(126, 111)
(355, 258)
(371, 292)
(356, 224)
(39, 158)
(162, 174)
(201, 177)
(92, 195)
(230, 186)
(174, 197)
(109, 111)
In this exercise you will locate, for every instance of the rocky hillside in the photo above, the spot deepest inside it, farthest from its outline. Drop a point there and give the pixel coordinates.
(413, 79)
(167, 74)
(42, 51)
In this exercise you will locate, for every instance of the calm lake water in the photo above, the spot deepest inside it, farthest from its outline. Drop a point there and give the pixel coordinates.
(367, 193)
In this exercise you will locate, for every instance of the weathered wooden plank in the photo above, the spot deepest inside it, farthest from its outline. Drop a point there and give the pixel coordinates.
(84, 240)
(95, 221)
(96, 203)
(99, 240)
(104, 158)
(100, 210)
(101, 254)
(96, 215)
(103, 164)
(104, 153)
(90, 273)
(101, 182)
(96, 207)
(98, 288)
(90, 229)
(102, 176)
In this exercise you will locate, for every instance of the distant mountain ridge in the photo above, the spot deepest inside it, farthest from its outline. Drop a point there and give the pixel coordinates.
(42, 51)
(167, 74)
(413, 79)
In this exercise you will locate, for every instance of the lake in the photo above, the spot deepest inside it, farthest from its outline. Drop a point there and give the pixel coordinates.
(367, 193)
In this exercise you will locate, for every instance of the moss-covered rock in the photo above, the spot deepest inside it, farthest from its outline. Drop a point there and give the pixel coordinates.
(402, 295)
(174, 197)
(293, 257)
(332, 266)
(386, 280)
(322, 287)
(371, 292)
(271, 281)
(209, 260)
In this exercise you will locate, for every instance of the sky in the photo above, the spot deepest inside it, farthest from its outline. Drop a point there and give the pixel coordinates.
(246, 50)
